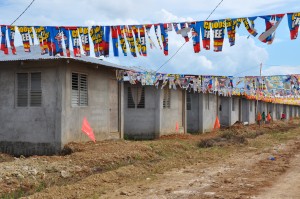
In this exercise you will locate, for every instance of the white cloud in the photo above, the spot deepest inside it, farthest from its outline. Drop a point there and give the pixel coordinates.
(281, 70)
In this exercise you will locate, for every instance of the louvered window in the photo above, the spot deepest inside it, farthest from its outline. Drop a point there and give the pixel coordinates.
(130, 103)
(167, 98)
(29, 90)
(141, 103)
(136, 97)
(79, 90)
(35, 90)
(188, 102)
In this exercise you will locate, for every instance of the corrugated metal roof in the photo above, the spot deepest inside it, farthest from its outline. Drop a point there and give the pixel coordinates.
(35, 54)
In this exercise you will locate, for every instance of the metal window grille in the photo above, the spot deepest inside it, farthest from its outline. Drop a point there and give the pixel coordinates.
(130, 102)
(167, 98)
(79, 89)
(188, 102)
(141, 104)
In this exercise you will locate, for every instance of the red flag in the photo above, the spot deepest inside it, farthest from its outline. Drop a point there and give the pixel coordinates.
(86, 128)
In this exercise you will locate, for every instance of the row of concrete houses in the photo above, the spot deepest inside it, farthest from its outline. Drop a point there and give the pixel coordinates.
(44, 100)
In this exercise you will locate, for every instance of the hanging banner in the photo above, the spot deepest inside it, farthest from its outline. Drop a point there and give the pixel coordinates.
(143, 41)
(294, 21)
(114, 38)
(121, 32)
(231, 25)
(3, 46)
(11, 37)
(250, 26)
(184, 31)
(218, 28)
(25, 37)
(85, 42)
(130, 41)
(94, 33)
(205, 31)
(164, 37)
(30, 30)
(75, 41)
(272, 23)
(42, 37)
(137, 39)
(56, 41)
(148, 28)
(66, 37)
(195, 26)
(156, 33)
(106, 37)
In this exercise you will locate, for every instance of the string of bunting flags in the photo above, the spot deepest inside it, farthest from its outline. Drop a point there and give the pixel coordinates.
(283, 89)
(133, 38)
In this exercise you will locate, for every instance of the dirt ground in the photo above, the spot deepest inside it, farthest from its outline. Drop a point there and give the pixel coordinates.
(240, 162)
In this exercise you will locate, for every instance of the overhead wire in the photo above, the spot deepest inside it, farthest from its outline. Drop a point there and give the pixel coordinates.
(22, 12)
(189, 37)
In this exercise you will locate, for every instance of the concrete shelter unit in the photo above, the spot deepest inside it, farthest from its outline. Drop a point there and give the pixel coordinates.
(151, 112)
(45, 99)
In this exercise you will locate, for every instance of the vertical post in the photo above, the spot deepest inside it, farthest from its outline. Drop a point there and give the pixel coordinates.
(257, 92)
(184, 115)
(121, 108)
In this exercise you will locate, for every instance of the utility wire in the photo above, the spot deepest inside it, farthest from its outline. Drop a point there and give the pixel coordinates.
(190, 38)
(22, 12)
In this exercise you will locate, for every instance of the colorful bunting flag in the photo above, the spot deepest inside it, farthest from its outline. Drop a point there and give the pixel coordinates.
(114, 37)
(42, 38)
(137, 39)
(106, 41)
(25, 37)
(66, 37)
(3, 46)
(56, 41)
(143, 40)
(148, 27)
(205, 31)
(30, 30)
(184, 31)
(218, 28)
(121, 32)
(11, 37)
(164, 37)
(75, 41)
(84, 35)
(294, 22)
(156, 33)
(195, 26)
(272, 22)
(250, 26)
(231, 25)
(94, 33)
(130, 41)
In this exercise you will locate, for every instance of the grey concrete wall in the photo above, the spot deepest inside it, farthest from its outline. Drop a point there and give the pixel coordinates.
(171, 116)
(209, 113)
(143, 123)
(224, 109)
(193, 125)
(235, 111)
(30, 130)
(248, 111)
(286, 110)
(102, 109)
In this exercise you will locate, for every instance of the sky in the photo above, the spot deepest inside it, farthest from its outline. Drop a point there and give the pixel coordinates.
(242, 59)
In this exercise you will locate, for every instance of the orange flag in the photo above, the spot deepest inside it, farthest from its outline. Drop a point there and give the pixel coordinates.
(217, 124)
(86, 128)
